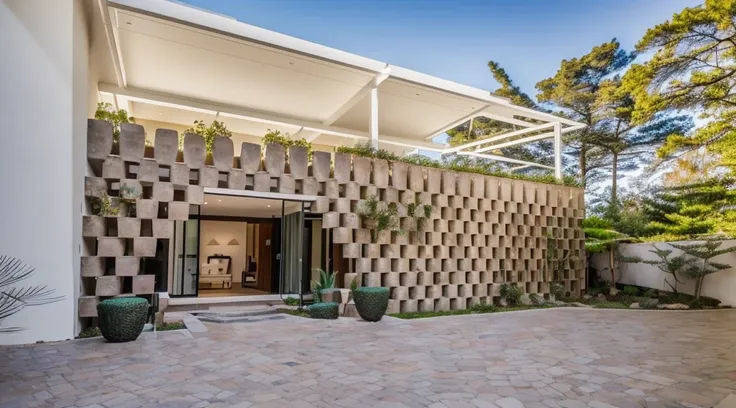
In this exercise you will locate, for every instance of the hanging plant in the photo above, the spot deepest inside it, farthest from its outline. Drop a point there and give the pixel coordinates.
(378, 217)
(215, 128)
(283, 139)
(419, 212)
(102, 205)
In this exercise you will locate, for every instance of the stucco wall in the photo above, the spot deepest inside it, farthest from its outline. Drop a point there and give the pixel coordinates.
(720, 285)
(43, 77)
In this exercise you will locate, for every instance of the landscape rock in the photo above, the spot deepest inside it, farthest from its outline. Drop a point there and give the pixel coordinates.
(674, 306)
(634, 306)
(578, 304)
(613, 291)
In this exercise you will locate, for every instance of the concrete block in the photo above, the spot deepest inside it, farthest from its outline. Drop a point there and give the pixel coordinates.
(99, 139)
(399, 175)
(330, 220)
(144, 284)
(343, 205)
(132, 142)
(310, 186)
(298, 161)
(93, 226)
(250, 157)
(144, 246)
(492, 188)
(434, 181)
(341, 235)
(94, 186)
(361, 170)
(108, 286)
(130, 189)
(222, 153)
(88, 306)
(380, 173)
(195, 151)
(162, 228)
(163, 192)
(92, 266)
(113, 168)
(321, 206)
(362, 236)
(129, 227)
(274, 159)
(449, 183)
(350, 220)
(463, 184)
(350, 251)
(262, 181)
(320, 168)
(478, 186)
(208, 176)
(146, 209)
(110, 246)
(179, 175)
(287, 184)
(166, 146)
(147, 170)
(236, 179)
(343, 166)
(178, 210)
(416, 178)
(332, 190)
(127, 265)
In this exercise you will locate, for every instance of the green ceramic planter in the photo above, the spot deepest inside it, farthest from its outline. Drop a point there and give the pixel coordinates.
(371, 302)
(122, 319)
(326, 310)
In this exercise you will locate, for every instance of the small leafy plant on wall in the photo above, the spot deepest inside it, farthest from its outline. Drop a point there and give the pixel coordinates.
(215, 128)
(105, 111)
(378, 216)
(419, 212)
(128, 196)
(102, 205)
(283, 139)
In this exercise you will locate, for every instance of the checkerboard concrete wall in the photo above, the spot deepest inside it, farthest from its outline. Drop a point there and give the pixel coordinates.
(483, 231)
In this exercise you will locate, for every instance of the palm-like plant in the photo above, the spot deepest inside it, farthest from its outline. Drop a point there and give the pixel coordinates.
(673, 265)
(14, 299)
(702, 265)
(326, 281)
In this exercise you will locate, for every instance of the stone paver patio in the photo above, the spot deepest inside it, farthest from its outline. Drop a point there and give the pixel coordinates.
(543, 358)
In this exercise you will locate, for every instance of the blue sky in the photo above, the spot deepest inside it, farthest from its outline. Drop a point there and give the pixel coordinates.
(455, 39)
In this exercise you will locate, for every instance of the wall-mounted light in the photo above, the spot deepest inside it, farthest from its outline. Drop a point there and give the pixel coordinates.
(233, 242)
(213, 242)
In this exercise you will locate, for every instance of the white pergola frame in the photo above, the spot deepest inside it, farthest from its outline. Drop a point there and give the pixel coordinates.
(493, 107)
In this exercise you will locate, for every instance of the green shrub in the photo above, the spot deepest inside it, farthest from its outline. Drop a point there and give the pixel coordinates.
(105, 111)
(328, 310)
(89, 332)
(275, 136)
(647, 303)
(511, 293)
(167, 326)
(371, 302)
(291, 301)
(536, 299)
(483, 307)
(650, 293)
(122, 319)
(557, 288)
(630, 291)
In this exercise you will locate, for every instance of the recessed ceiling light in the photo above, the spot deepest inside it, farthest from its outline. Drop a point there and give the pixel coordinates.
(219, 201)
(205, 202)
(268, 205)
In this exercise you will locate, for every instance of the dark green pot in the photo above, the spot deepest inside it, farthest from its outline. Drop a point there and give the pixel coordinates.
(371, 302)
(327, 310)
(122, 319)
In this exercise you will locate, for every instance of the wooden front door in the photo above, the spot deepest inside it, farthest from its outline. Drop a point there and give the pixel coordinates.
(265, 245)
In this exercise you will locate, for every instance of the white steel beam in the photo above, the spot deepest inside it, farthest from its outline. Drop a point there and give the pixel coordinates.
(505, 159)
(558, 150)
(112, 43)
(530, 139)
(373, 121)
(526, 166)
(499, 137)
(455, 123)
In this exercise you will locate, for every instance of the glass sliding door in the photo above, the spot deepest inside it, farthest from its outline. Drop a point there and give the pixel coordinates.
(292, 233)
(186, 258)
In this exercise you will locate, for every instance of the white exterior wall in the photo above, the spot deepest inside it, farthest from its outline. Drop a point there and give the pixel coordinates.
(43, 109)
(719, 285)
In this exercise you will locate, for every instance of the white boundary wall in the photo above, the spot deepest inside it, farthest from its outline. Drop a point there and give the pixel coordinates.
(43, 110)
(719, 285)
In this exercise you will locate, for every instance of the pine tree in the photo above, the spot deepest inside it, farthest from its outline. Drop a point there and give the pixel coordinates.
(693, 68)
(702, 266)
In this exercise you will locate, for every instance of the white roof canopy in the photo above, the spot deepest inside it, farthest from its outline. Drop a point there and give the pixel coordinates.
(178, 57)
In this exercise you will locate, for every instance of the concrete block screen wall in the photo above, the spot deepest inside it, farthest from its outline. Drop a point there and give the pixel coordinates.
(483, 231)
